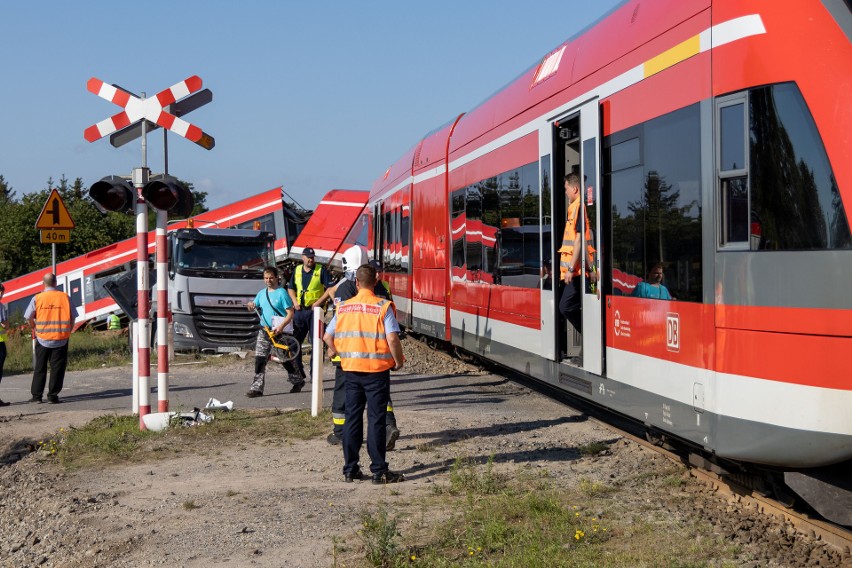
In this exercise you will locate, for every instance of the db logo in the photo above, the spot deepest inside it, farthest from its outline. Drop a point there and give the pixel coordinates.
(673, 332)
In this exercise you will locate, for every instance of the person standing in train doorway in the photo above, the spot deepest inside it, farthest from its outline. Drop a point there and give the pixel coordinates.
(570, 265)
(4, 329)
(51, 316)
(306, 286)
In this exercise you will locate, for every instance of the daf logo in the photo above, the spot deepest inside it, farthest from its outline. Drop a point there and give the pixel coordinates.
(222, 301)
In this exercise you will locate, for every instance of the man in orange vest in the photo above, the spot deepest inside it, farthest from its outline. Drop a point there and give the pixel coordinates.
(365, 333)
(570, 267)
(51, 317)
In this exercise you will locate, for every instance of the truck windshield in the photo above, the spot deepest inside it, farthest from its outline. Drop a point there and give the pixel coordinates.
(194, 256)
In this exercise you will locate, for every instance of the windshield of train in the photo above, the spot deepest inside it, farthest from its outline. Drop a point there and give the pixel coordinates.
(242, 259)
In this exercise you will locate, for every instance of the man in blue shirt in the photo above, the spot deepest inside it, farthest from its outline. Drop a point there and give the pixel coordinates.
(276, 313)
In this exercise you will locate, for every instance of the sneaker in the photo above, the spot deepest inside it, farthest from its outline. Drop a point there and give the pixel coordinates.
(391, 437)
(297, 387)
(334, 439)
(53, 400)
(36, 399)
(254, 394)
(387, 476)
(353, 475)
(4, 403)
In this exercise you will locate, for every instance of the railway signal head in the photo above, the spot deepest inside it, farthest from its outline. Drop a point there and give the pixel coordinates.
(166, 193)
(113, 193)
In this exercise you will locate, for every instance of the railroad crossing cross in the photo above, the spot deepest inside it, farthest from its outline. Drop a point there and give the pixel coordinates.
(151, 109)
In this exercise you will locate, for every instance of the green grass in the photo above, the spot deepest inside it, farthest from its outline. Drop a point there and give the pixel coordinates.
(111, 440)
(86, 350)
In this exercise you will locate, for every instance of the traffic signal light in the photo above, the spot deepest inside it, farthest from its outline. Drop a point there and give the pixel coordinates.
(113, 193)
(166, 193)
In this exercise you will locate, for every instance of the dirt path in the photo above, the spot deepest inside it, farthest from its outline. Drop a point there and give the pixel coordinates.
(281, 502)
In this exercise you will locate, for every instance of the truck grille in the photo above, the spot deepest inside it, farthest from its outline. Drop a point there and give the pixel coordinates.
(226, 325)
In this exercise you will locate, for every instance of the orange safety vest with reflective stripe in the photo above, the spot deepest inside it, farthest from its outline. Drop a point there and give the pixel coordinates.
(53, 319)
(359, 334)
(567, 248)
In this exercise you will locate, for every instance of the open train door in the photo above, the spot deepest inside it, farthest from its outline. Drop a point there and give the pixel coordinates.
(576, 149)
(590, 194)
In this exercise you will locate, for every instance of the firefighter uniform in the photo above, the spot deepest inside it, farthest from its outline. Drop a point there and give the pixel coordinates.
(359, 333)
(345, 290)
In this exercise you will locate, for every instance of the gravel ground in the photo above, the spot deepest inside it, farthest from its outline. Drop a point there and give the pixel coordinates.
(282, 502)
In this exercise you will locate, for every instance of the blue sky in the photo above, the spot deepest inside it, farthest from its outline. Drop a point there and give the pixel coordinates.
(309, 95)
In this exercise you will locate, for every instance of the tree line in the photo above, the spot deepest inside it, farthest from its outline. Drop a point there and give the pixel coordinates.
(20, 248)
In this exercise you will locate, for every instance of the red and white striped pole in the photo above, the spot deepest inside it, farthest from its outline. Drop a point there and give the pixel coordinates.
(140, 178)
(162, 314)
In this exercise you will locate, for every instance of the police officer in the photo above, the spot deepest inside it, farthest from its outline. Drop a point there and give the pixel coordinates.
(306, 286)
(354, 257)
(50, 315)
(366, 335)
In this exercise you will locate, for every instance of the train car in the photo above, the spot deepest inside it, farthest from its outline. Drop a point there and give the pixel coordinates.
(338, 216)
(711, 136)
(84, 277)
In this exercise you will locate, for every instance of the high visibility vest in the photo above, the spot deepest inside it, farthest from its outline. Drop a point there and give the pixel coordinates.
(359, 334)
(114, 322)
(567, 249)
(347, 290)
(315, 289)
(53, 319)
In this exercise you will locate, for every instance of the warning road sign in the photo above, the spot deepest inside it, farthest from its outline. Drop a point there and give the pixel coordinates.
(54, 214)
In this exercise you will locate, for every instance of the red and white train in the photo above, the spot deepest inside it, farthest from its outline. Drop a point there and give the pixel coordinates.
(84, 276)
(711, 136)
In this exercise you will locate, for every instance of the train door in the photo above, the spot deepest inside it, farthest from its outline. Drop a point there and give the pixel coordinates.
(576, 150)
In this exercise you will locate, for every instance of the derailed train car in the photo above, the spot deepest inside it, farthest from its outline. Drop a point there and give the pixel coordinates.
(711, 136)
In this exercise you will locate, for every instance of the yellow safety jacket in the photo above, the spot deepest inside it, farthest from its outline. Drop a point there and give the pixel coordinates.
(359, 334)
(114, 322)
(567, 249)
(315, 289)
(53, 318)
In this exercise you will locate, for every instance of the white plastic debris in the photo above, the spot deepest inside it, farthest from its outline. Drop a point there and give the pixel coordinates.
(214, 404)
(158, 421)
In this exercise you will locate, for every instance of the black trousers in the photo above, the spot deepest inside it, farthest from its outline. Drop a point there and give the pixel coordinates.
(570, 303)
(58, 358)
(338, 404)
(303, 323)
(373, 391)
(2, 357)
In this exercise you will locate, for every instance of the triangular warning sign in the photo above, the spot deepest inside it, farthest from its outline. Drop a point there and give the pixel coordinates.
(54, 214)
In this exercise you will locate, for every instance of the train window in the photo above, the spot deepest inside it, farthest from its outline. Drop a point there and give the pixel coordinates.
(473, 232)
(457, 228)
(656, 213)
(545, 220)
(795, 201)
(625, 155)
(732, 169)
(267, 223)
(732, 134)
(496, 226)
